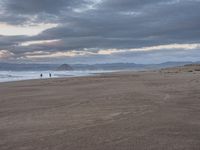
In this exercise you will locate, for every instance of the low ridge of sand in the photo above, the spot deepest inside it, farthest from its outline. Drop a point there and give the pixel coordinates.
(153, 110)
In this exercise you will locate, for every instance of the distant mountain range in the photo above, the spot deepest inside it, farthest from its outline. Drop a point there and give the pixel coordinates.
(106, 66)
(127, 66)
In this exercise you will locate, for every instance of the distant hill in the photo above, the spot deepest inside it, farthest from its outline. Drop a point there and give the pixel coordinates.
(106, 66)
(127, 66)
(64, 67)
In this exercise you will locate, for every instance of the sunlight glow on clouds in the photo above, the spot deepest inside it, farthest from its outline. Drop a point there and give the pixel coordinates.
(38, 42)
(75, 53)
(41, 54)
(5, 54)
(152, 48)
(10, 30)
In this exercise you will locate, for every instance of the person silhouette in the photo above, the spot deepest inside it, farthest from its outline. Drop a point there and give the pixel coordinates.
(41, 75)
(49, 75)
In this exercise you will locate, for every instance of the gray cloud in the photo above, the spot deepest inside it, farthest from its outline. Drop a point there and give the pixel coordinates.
(34, 6)
(105, 24)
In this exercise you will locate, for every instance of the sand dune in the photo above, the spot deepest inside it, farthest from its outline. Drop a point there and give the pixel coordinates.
(154, 110)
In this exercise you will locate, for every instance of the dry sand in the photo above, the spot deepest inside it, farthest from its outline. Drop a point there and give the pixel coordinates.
(154, 110)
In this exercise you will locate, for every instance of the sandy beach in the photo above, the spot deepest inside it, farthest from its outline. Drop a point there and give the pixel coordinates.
(152, 110)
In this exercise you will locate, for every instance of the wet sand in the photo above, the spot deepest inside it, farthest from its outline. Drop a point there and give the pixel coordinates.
(153, 110)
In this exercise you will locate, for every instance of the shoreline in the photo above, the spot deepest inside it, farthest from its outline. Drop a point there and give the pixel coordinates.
(74, 76)
(57, 75)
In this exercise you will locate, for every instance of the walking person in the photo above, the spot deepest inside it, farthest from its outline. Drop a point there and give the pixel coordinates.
(49, 75)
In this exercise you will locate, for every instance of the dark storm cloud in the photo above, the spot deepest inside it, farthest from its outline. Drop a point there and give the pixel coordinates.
(128, 5)
(22, 11)
(103, 24)
(160, 23)
(38, 6)
(10, 42)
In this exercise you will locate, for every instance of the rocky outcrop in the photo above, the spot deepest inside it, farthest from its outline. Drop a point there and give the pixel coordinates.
(64, 67)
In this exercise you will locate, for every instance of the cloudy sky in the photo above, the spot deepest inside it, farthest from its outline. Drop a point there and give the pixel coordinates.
(99, 31)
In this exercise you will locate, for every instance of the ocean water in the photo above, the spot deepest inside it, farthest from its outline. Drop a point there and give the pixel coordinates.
(6, 76)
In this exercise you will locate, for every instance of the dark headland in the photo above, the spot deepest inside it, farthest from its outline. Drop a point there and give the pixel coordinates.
(64, 67)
